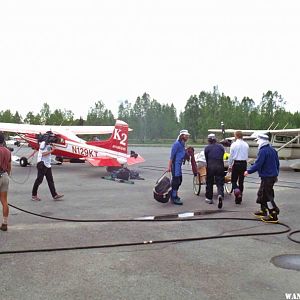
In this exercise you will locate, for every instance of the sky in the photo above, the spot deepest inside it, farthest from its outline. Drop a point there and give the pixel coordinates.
(71, 54)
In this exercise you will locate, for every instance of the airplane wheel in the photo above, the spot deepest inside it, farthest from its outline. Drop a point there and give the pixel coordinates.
(23, 162)
(59, 159)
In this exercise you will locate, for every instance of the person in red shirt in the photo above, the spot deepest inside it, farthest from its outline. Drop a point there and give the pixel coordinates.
(5, 169)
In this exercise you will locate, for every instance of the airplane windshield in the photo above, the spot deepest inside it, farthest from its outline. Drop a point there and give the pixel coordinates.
(61, 141)
(284, 139)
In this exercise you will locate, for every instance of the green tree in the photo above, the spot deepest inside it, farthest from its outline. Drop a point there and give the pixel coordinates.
(124, 111)
(45, 114)
(32, 119)
(99, 115)
(271, 103)
(191, 117)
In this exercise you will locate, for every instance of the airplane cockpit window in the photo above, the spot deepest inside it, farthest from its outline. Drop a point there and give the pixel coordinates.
(284, 139)
(61, 141)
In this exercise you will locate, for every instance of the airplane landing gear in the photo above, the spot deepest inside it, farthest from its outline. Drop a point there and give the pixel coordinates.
(59, 159)
(23, 161)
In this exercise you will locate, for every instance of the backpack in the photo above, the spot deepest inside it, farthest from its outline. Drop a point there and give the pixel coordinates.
(135, 175)
(123, 174)
(162, 189)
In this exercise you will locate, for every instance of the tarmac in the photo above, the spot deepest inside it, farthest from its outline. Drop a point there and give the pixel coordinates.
(104, 267)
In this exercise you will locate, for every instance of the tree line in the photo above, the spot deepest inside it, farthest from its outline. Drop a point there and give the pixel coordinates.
(152, 121)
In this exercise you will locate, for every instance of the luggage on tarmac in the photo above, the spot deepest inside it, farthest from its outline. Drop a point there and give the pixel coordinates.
(162, 188)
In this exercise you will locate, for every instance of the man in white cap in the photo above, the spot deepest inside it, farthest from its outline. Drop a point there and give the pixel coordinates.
(267, 166)
(175, 163)
(214, 153)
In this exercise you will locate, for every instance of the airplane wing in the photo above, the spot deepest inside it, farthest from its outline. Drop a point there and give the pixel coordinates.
(89, 129)
(254, 133)
(24, 128)
(35, 129)
(244, 131)
(295, 131)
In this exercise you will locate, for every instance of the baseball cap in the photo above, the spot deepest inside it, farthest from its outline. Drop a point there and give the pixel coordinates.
(262, 136)
(184, 131)
(211, 136)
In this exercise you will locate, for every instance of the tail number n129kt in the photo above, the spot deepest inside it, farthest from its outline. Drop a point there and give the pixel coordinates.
(84, 151)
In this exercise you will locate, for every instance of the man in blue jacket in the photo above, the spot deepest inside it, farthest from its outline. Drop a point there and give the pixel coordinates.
(175, 163)
(267, 166)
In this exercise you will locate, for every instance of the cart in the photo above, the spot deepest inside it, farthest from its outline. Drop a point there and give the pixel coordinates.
(200, 179)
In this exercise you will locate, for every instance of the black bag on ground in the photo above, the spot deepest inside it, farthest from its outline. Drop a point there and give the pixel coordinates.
(162, 189)
(135, 175)
(123, 173)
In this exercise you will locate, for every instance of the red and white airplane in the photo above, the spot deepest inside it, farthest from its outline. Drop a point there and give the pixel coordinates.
(67, 145)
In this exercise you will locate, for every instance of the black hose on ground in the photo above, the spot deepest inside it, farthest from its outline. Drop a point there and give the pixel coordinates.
(160, 219)
(292, 233)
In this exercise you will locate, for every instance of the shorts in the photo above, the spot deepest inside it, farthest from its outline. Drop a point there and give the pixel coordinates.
(4, 183)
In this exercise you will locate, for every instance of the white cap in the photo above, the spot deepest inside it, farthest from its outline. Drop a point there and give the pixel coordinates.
(263, 136)
(183, 131)
(211, 136)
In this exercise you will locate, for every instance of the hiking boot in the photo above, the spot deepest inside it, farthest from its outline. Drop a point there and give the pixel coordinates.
(209, 201)
(58, 197)
(3, 227)
(271, 218)
(36, 198)
(220, 199)
(260, 213)
(177, 201)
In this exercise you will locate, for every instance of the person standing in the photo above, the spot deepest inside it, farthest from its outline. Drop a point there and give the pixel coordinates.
(44, 169)
(237, 165)
(267, 166)
(175, 164)
(214, 153)
(5, 169)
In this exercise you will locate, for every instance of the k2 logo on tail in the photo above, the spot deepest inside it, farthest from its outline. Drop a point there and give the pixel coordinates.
(121, 137)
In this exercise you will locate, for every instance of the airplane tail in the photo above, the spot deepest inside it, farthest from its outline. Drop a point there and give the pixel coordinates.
(118, 141)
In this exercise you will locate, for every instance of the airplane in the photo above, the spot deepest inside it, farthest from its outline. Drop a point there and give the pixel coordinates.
(111, 153)
(15, 140)
(285, 141)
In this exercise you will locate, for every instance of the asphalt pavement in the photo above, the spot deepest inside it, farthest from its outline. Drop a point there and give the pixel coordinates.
(99, 249)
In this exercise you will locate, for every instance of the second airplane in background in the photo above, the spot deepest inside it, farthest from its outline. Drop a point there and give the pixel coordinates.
(285, 141)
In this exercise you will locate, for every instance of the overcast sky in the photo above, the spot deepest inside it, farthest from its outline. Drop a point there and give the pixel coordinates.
(72, 53)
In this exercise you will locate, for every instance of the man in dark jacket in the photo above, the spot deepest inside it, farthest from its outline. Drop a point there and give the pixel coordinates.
(267, 166)
(215, 169)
